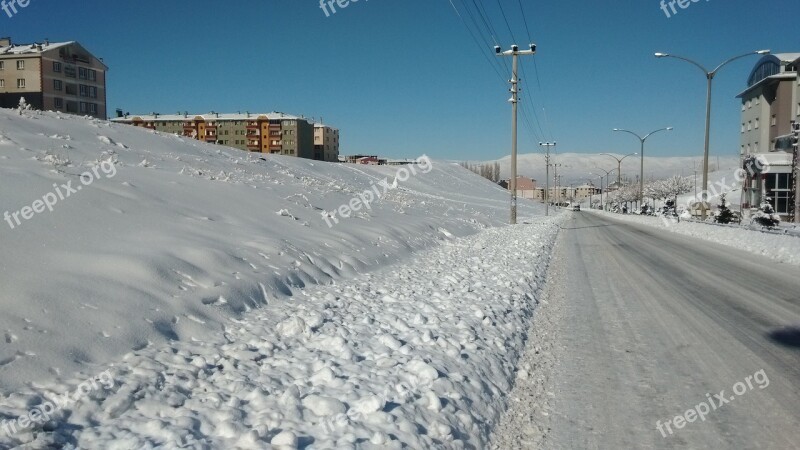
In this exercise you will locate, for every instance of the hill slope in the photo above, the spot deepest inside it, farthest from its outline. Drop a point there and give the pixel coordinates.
(168, 238)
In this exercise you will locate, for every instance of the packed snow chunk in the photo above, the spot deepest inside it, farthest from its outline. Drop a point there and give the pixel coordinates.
(324, 406)
(421, 372)
(369, 404)
(292, 327)
(285, 440)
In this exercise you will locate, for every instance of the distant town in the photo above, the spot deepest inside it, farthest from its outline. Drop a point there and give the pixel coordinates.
(68, 78)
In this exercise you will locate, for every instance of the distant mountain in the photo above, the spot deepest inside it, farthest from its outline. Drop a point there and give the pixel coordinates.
(575, 167)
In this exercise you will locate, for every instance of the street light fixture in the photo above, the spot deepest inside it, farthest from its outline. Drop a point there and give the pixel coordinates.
(608, 179)
(641, 170)
(710, 74)
(619, 165)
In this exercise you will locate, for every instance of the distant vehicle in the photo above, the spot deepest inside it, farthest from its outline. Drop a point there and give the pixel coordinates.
(576, 207)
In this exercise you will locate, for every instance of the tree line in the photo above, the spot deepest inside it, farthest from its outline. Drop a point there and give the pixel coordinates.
(490, 171)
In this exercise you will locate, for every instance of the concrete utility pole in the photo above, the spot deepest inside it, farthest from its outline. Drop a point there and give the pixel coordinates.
(514, 53)
(557, 195)
(547, 145)
(795, 171)
(710, 74)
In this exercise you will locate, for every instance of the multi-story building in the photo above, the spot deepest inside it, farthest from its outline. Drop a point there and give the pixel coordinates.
(52, 76)
(769, 105)
(326, 143)
(275, 133)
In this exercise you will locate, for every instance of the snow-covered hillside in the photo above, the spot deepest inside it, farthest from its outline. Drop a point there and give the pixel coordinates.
(177, 236)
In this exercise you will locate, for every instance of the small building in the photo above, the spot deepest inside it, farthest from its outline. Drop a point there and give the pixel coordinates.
(326, 143)
(526, 187)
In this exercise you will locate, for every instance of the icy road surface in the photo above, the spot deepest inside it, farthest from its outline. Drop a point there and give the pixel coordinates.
(649, 325)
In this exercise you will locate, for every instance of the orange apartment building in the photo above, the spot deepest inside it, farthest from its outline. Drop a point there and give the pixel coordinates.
(274, 133)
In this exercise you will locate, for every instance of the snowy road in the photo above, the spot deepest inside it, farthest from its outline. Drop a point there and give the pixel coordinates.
(652, 325)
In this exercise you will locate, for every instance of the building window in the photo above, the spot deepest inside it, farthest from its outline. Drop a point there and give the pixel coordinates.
(773, 120)
(56, 67)
(20, 83)
(21, 64)
(749, 125)
(743, 106)
(84, 90)
(83, 73)
(69, 71)
(749, 104)
(2, 83)
(93, 108)
(93, 94)
(758, 122)
(92, 75)
(778, 189)
(58, 85)
(2, 65)
(742, 127)
(58, 102)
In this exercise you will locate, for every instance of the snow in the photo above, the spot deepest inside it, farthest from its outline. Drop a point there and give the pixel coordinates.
(781, 248)
(206, 280)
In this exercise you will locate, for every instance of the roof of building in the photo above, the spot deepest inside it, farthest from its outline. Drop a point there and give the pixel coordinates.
(209, 116)
(770, 67)
(322, 125)
(24, 49)
(525, 183)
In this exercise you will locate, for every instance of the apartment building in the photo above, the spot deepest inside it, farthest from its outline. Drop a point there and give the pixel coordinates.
(769, 105)
(52, 76)
(326, 143)
(275, 133)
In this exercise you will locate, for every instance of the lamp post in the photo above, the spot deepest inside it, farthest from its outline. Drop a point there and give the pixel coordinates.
(710, 74)
(608, 179)
(641, 170)
(619, 165)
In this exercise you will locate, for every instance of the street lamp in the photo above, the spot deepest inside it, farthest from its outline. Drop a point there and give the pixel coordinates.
(619, 165)
(608, 179)
(641, 170)
(710, 74)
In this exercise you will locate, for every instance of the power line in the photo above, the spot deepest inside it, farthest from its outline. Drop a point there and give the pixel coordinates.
(475, 39)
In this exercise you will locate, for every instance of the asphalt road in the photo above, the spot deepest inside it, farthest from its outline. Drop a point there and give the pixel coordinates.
(649, 326)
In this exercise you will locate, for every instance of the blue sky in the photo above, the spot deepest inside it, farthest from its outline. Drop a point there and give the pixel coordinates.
(402, 78)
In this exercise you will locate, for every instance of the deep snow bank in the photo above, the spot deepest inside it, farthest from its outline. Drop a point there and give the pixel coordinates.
(184, 235)
(419, 355)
